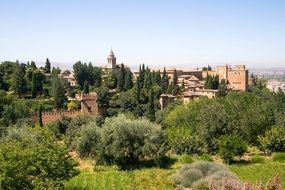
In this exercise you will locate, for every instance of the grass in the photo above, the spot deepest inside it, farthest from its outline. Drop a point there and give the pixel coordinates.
(141, 179)
(154, 178)
(259, 172)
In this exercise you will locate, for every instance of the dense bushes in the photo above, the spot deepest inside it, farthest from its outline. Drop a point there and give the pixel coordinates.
(32, 159)
(89, 139)
(244, 114)
(127, 141)
(231, 146)
(273, 140)
(121, 140)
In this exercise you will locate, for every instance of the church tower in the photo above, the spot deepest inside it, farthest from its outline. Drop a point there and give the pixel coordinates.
(111, 60)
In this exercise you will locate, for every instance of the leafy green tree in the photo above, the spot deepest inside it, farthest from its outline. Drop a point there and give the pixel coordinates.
(103, 96)
(165, 81)
(175, 83)
(31, 159)
(40, 119)
(89, 73)
(86, 87)
(33, 65)
(273, 140)
(127, 101)
(222, 88)
(33, 86)
(19, 84)
(47, 66)
(231, 146)
(151, 108)
(125, 141)
(128, 81)
(58, 91)
(89, 140)
(138, 91)
(121, 80)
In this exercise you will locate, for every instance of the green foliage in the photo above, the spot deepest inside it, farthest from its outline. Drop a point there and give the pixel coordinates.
(206, 157)
(85, 88)
(32, 159)
(185, 159)
(103, 96)
(273, 140)
(165, 81)
(151, 108)
(278, 157)
(58, 91)
(126, 141)
(257, 159)
(121, 80)
(89, 140)
(200, 173)
(231, 146)
(128, 80)
(222, 88)
(84, 72)
(72, 129)
(212, 82)
(181, 141)
(47, 66)
(243, 114)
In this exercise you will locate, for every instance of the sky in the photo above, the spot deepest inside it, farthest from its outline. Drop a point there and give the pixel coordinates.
(181, 33)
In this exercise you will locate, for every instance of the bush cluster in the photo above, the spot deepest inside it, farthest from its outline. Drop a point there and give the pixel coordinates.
(121, 140)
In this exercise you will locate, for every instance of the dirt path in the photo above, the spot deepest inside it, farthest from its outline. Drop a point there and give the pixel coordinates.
(86, 165)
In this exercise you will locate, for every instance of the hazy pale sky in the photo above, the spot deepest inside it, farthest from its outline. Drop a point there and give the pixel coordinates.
(155, 32)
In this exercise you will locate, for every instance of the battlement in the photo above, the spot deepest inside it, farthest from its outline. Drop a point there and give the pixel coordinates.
(51, 116)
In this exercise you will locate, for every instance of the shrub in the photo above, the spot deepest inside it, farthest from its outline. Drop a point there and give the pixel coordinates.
(199, 174)
(206, 157)
(73, 130)
(273, 140)
(88, 142)
(279, 157)
(231, 146)
(126, 141)
(185, 159)
(32, 159)
(257, 159)
(182, 141)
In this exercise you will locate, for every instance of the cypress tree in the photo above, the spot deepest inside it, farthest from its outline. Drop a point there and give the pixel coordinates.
(175, 83)
(33, 65)
(151, 110)
(121, 81)
(183, 85)
(47, 66)
(222, 88)
(33, 87)
(40, 119)
(138, 90)
(128, 81)
(165, 81)
(58, 92)
(85, 88)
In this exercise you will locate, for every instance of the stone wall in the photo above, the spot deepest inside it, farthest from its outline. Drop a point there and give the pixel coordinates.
(51, 116)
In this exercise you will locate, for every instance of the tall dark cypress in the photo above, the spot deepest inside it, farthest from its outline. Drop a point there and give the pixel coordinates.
(121, 81)
(151, 109)
(33, 87)
(128, 81)
(165, 81)
(47, 66)
(138, 90)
